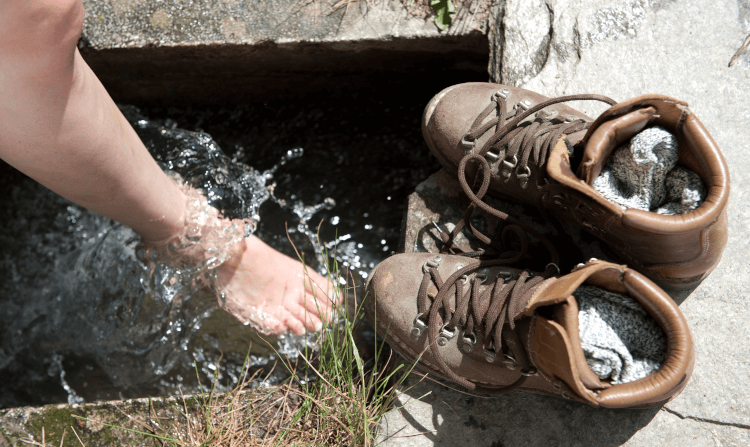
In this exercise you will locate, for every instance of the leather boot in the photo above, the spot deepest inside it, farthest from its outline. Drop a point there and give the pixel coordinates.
(493, 328)
(538, 151)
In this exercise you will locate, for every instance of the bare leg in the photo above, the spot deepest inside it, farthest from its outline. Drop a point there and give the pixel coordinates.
(59, 126)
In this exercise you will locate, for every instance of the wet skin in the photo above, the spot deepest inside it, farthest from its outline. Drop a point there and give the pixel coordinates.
(59, 126)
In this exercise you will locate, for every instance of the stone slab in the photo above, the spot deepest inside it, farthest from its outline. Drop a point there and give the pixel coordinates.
(624, 49)
(232, 51)
(445, 417)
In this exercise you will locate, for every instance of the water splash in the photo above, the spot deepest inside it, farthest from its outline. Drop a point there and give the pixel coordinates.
(101, 302)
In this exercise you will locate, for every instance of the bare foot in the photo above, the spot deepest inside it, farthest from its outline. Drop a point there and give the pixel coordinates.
(274, 292)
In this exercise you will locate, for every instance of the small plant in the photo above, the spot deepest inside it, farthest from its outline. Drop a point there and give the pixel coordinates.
(443, 11)
(348, 395)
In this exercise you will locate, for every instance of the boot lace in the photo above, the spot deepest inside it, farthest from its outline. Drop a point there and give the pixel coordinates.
(483, 305)
(521, 145)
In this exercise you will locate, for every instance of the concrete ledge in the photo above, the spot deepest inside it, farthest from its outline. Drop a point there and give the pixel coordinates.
(239, 50)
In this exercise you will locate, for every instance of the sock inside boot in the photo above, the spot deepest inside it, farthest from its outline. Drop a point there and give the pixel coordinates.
(620, 340)
(643, 174)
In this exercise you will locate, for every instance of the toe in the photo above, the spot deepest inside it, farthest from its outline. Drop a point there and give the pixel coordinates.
(308, 314)
(294, 321)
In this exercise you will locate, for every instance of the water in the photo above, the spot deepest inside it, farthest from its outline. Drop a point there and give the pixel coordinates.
(81, 318)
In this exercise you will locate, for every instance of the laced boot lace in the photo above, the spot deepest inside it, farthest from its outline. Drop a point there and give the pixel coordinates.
(483, 305)
(520, 145)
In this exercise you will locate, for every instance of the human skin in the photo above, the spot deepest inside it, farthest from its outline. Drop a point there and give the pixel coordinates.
(59, 126)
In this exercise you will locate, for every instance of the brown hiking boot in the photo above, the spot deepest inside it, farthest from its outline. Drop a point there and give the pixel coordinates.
(526, 147)
(494, 329)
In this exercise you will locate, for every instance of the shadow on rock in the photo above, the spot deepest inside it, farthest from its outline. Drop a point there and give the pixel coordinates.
(446, 417)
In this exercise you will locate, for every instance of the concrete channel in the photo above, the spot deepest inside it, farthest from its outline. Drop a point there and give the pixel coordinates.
(209, 54)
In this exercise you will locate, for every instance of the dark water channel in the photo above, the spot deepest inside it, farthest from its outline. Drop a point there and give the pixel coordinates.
(80, 321)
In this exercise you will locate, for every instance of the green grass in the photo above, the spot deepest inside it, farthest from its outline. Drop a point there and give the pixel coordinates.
(344, 403)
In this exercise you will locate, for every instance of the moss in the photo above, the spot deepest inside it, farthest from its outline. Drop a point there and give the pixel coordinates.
(55, 421)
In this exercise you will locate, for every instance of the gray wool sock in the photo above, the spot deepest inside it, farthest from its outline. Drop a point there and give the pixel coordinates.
(620, 340)
(643, 174)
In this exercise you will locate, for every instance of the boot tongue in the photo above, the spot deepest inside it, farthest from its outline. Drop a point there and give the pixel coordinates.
(557, 343)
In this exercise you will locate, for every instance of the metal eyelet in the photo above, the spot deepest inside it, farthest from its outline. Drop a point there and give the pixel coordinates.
(418, 327)
(431, 263)
(523, 177)
(481, 275)
(469, 341)
(548, 115)
(525, 104)
(552, 264)
(510, 362)
(467, 144)
(500, 93)
(506, 275)
(489, 355)
(445, 335)
(492, 157)
(531, 372)
(508, 166)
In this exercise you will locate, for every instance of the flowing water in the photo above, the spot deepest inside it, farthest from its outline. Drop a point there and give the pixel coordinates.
(81, 318)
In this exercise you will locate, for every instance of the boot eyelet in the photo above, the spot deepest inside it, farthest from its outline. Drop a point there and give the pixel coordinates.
(523, 178)
(506, 275)
(489, 354)
(431, 263)
(509, 166)
(500, 94)
(418, 326)
(525, 104)
(510, 362)
(467, 144)
(470, 340)
(524, 174)
(554, 266)
(481, 275)
(445, 335)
